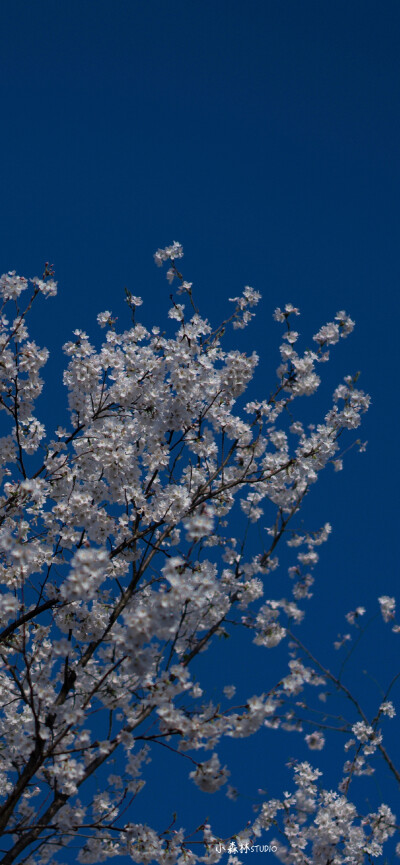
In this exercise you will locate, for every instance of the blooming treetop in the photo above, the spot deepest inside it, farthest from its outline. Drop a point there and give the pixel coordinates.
(117, 569)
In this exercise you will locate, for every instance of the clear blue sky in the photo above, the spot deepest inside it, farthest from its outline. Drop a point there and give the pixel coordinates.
(265, 137)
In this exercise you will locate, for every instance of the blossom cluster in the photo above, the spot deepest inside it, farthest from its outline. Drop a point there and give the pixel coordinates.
(117, 569)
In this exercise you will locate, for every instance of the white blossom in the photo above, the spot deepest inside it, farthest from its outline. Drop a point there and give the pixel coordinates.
(209, 776)
(315, 741)
(388, 607)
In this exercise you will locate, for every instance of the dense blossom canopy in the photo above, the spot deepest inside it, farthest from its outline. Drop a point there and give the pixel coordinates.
(118, 568)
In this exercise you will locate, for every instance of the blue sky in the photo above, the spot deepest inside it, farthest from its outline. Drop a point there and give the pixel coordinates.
(264, 136)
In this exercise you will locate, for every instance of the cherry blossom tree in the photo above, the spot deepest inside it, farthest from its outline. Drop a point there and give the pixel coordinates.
(118, 567)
